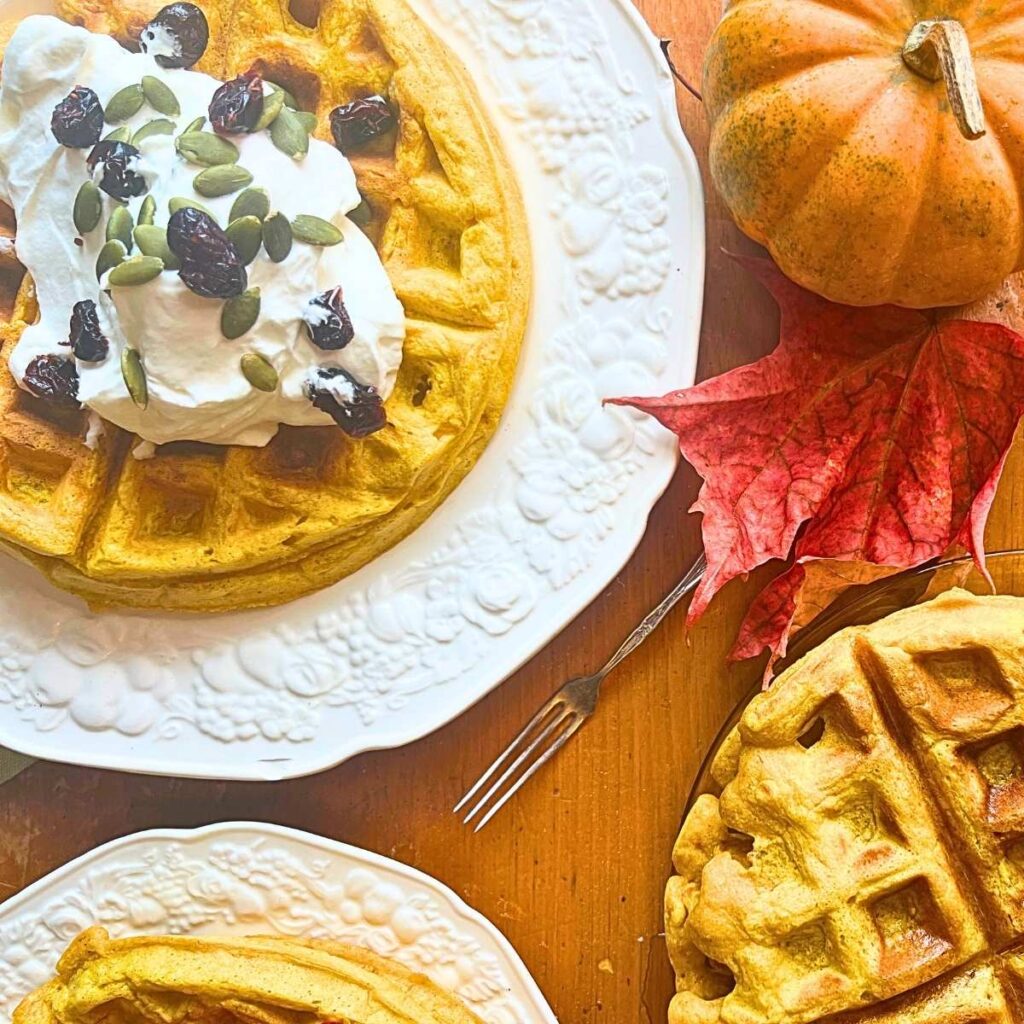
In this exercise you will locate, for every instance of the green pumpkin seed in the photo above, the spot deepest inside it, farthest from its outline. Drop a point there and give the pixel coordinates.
(88, 208)
(315, 230)
(160, 97)
(272, 105)
(361, 215)
(247, 235)
(289, 135)
(134, 375)
(111, 255)
(289, 99)
(307, 120)
(258, 372)
(237, 318)
(138, 270)
(152, 241)
(221, 181)
(125, 103)
(195, 126)
(177, 203)
(122, 134)
(119, 226)
(277, 237)
(253, 202)
(158, 126)
(147, 211)
(206, 149)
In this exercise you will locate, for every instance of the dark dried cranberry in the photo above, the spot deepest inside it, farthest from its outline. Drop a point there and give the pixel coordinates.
(237, 105)
(361, 121)
(210, 264)
(119, 178)
(327, 321)
(86, 339)
(177, 36)
(78, 119)
(357, 408)
(53, 378)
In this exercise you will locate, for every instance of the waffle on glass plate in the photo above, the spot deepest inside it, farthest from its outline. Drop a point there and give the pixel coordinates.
(863, 860)
(213, 528)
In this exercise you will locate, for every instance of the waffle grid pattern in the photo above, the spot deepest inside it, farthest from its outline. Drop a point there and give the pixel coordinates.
(863, 860)
(207, 528)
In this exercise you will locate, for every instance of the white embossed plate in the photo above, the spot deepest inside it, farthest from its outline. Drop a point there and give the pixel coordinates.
(253, 879)
(552, 511)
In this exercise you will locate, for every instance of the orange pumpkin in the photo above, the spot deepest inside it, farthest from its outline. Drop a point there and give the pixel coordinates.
(875, 147)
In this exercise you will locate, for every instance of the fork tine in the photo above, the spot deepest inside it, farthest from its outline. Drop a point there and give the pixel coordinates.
(555, 747)
(510, 771)
(534, 723)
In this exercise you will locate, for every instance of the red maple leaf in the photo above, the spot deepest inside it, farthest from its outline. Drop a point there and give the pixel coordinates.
(869, 436)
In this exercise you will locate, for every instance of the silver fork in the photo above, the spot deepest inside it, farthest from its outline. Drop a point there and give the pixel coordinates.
(562, 717)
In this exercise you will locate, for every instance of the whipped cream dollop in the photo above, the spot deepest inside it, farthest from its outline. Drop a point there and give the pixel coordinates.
(197, 391)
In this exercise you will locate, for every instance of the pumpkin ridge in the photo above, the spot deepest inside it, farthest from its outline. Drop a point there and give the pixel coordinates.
(896, 25)
(802, 182)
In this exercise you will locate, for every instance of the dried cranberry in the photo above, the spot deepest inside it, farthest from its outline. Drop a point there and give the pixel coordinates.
(210, 264)
(327, 321)
(53, 378)
(357, 408)
(86, 339)
(361, 121)
(77, 120)
(177, 36)
(237, 105)
(119, 159)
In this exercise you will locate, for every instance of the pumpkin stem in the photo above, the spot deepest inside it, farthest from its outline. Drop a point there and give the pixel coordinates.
(939, 50)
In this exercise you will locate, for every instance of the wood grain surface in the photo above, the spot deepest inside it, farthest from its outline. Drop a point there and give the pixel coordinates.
(573, 870)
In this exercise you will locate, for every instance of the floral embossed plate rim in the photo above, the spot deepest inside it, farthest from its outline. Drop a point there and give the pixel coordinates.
(229, 878)
(555, 507)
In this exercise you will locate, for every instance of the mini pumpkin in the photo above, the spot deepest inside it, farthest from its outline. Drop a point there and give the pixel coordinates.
(875, 147)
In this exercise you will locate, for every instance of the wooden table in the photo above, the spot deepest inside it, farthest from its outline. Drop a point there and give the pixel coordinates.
(573, 870)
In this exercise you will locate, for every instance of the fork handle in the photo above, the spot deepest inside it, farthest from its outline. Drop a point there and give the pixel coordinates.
(685, 586)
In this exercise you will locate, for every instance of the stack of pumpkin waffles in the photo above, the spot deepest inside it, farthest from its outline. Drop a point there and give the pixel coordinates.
(863, 859)
(208, 528)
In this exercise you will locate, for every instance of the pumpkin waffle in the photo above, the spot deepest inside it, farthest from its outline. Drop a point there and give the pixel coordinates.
(862, 856)
(198, 980)
(216, 528)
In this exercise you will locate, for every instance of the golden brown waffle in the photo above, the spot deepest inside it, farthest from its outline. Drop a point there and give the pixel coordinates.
(206, 528)
(219, 981)
(864, 855)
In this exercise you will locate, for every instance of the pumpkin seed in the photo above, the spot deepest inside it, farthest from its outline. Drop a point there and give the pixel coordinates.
(147, 211)
(119, 226)
(221, 181)
(253, 202)
(195, 126)
(258, 372)
(289, 135)
(238, 316)
(88, 208)
(289, 99)
(158, 126)
(206, 149)
(134, 375)
(122, 134)
(125, 103)
(111, 255)
(277, 237)
(247, 235)
(152, 241)
(315, 230)
(137, 270)
(361, 215)
(307, 120)
(160, 97)
(272, 105)
(177, 203)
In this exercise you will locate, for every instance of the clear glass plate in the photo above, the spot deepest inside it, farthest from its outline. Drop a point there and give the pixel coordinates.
(870, 603)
